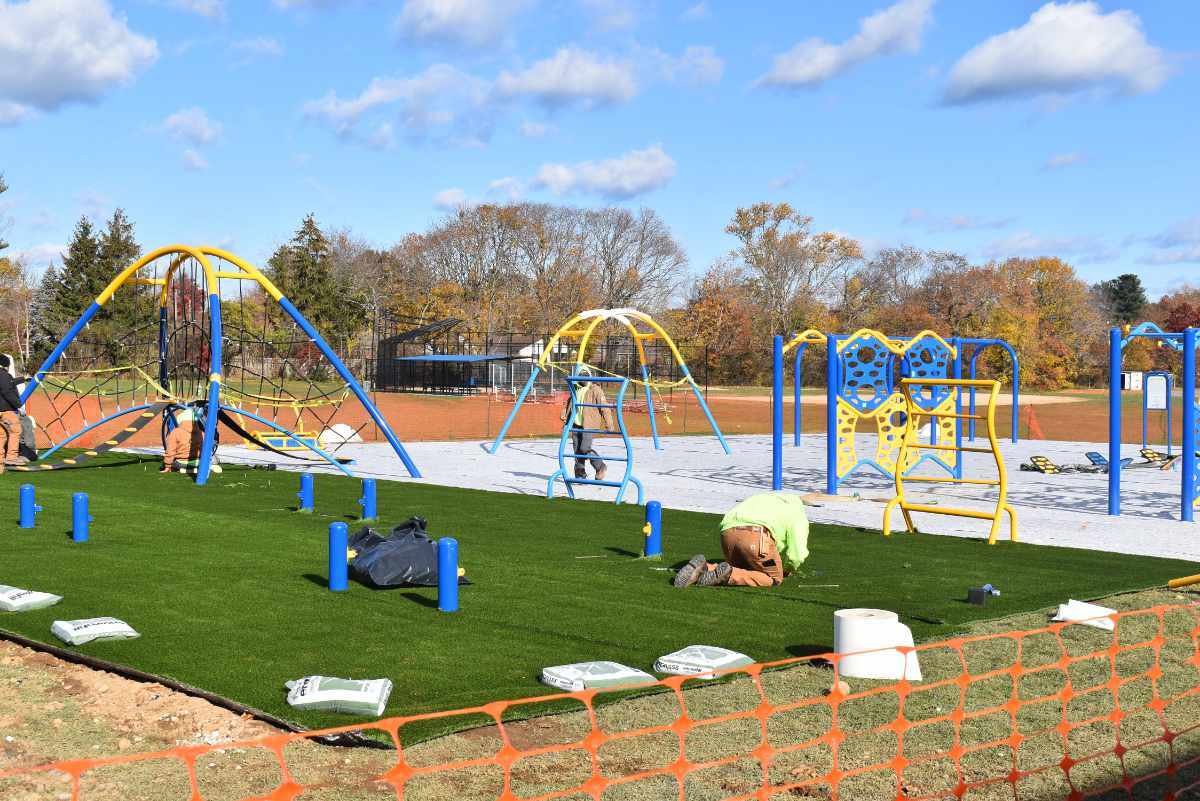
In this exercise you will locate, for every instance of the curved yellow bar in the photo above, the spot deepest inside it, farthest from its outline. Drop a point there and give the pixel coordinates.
(247, 268)
(897, 347)
(593, 318)
(211, 281)
(809, 336)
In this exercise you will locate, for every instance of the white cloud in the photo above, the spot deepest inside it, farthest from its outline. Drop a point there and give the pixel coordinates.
(257, 47)
(1178, 244)
(571, 76)
(896, 29)
(192, 125)
(939, 223)
(697, 65)
(94, 204)
(193, 161)
(55, 52)
(213, 9)
(535, 130)
(436, 99)
(610, 15)
(697, 12)
(12, 113)
(786, 180)
(473, 23)
(1064, 48)
(450, 199)
(634, 173)
(1060, 160)
(40, 255)
(509, 188)
(1024, 243)
(382, 138)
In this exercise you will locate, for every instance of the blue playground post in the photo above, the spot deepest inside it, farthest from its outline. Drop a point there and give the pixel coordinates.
(533, 374)
(958, 410)
(833, 379)
(1114, 421)
(777, 414)
(339, 535)
(367, 501)
(306, 493)
(650, 406)
(796, 380)
(653, 529)
(80, 517)
(29, 507)
(1188, 496)
(447, 552)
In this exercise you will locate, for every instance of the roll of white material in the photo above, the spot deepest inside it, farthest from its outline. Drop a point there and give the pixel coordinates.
(870, 637)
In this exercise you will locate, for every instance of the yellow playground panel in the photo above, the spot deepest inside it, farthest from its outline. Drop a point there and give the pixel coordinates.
(913, 389)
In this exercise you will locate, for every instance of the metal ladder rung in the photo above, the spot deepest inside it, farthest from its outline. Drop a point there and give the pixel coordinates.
(593, 431)
(938, 510)
(601, 457)
(596, 405)
(591, 481)
(962, 449)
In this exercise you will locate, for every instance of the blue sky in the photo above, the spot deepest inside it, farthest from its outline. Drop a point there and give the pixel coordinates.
(989, 128)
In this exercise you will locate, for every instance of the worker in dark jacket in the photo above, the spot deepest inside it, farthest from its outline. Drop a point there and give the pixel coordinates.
(10, 417)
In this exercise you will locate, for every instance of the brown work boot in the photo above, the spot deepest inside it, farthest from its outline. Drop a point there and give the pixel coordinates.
(717, 577)
(689, 573)
(601, 471)
(17, 461)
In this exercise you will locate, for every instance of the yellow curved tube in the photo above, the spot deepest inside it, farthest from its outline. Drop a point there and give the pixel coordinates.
(212, 283)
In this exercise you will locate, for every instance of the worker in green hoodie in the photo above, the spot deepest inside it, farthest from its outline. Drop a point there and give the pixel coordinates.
(763, 538)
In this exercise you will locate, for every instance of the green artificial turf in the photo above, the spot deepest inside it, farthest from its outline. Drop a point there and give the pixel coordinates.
(227, 585)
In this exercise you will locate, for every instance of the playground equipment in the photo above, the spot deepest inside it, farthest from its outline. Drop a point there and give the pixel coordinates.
(367, 501)
(448, 573)
(1158, 386)
(339, 536)
(306, 493)
(1184, 342)
(915, 411)
(582, 329)
(565, 471)
(165, 333)
(861, 372)
(653, 531)
(81, 520)
(29, 507)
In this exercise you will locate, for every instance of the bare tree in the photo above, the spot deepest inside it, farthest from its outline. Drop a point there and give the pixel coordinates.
(17, 284)
(552, 265)
(636, 260)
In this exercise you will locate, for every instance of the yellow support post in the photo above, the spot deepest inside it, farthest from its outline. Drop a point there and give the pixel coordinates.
(908, 442)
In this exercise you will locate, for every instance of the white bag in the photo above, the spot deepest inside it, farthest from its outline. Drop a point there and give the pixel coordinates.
(700, 661)
(14, 599)
(78, 632)
(352, 696)
(1088, 614)
(593, 676)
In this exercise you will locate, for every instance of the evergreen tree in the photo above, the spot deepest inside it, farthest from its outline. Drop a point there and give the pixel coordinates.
(79, 281)
(117, 246)
(1125, 297)
(48, 326)
(303, 271)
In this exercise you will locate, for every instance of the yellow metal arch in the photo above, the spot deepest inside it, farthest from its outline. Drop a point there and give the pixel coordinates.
(590, 320)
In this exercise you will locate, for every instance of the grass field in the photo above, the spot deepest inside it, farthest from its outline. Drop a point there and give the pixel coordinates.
(226, 585)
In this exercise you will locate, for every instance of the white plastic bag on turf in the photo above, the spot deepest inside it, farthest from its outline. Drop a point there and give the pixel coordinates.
(700, 661)
(78, 632)
(592, 676)
(352, 696)
(15, 599)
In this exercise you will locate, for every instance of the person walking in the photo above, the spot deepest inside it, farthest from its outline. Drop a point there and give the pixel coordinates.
(764, 538)
(589, 417)
(10, 415)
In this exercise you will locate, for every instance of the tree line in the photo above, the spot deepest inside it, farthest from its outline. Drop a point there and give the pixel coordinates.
(528, 267)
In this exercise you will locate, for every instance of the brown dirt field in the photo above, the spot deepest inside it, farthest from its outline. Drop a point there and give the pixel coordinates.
(53, 711)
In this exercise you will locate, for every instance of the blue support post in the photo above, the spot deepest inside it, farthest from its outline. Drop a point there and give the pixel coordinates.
(212, 411)
(353, 384)
(1188, 495)
(29, 507)
(447, 553)
(367, 501)
(80, 519)
(833, 379)
(796, 376)
(306, 493)
(83, 320)
(533, 374)
(163, 378)
(653, 529)
(704, 408)
(650, 407)
(1114, 421)
(777, 413)
(339, 570)
(958, 409)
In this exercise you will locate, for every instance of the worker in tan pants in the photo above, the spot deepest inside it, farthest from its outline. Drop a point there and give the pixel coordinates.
(184, 441)
(10, 417)
(763, 539)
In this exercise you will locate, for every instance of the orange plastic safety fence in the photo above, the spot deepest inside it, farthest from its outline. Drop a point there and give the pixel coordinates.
(1111, 713)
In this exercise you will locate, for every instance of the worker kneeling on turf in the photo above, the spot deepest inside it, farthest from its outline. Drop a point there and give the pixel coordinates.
(764, 538)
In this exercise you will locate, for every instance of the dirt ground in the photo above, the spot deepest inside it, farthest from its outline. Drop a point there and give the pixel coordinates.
(1040, 715)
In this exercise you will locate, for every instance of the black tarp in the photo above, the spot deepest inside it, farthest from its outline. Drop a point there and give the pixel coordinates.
(404, 558)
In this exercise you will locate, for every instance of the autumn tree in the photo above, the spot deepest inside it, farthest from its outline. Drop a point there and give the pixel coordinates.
(634, 257)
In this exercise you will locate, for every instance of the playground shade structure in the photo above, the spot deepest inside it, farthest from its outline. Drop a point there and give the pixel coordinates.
(170, 331)
(248, 608)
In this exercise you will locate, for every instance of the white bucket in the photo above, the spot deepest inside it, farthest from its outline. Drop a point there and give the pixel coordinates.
(870, 637)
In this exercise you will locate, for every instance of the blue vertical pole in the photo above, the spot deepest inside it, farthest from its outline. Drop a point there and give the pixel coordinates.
(833, 380)
(777, 413)
(1145, 413)
(339, 569)
(796, 376)
(650, 407)
(1188, 502)
(704, 408)
(1114, 421)
(1016, 393)
(1170, 402)
(306, 493)
(162, 347)
(80, 517)
(653, 547)
(533, 374)
(367, 501)
(79, 325)
(29, 507)
(958, 409)
(447, 552)
(214, 388)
